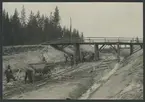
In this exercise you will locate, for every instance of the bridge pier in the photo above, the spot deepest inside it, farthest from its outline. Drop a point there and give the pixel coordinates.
(96, 48)
(131, 49)
(77, 53)
(118, 52)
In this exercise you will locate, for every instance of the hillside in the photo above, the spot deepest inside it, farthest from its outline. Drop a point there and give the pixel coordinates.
(126, 82)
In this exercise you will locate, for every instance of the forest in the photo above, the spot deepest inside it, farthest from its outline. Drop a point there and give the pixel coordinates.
(18, 30)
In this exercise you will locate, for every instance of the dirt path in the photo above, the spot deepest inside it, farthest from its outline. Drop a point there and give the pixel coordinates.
(57, 90)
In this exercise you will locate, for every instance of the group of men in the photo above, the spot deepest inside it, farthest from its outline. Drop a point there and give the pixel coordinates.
(9, 74)
(72, 58)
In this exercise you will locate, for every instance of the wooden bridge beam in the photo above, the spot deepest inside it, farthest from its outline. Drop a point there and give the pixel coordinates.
(101, 47)
(96, 48)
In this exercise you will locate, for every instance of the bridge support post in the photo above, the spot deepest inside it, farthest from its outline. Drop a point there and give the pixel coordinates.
(118, 52)
(131, 49)
(77, 53)
(96, 48)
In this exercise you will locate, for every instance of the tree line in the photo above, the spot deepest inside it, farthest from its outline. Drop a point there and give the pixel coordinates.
(18, 30)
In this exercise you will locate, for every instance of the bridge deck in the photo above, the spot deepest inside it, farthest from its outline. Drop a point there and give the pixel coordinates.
(88, 43)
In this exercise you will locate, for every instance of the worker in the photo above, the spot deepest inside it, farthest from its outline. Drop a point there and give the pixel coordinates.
(29, 75)
(44, 60)
(9, 74)
(83, 56)
(72, 60)
(93, 56)
(66, 58)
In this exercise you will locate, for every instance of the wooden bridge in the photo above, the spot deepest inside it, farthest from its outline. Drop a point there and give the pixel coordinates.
(115, 43)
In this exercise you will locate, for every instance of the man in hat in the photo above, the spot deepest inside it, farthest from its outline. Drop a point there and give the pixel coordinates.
(9, 74)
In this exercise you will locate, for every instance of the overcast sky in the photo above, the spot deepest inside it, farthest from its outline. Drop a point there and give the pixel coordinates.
(93, 19)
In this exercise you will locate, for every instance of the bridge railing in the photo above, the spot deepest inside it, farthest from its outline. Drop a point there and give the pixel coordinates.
(96, 39)
(112, 39)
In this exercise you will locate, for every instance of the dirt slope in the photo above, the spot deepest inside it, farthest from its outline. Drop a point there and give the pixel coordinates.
(126, 82)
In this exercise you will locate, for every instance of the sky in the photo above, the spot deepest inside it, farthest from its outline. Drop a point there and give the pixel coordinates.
(100, 19)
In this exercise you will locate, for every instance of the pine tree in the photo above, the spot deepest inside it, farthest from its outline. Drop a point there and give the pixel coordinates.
(66, 34)
(56, 17)
(74, 34)
(23, 24)
(3, 16)
(42, 22)
(3, 27)
(37, 29)
(46, 29)
(39, 33)
(30, 30)
(15, 21)
(23, 17)
(57, 33)
(38, 19)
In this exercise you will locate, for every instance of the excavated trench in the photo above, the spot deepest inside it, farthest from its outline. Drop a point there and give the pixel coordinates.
(78, 82)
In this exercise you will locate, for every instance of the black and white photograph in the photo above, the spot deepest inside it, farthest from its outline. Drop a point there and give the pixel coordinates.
(72, 50)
